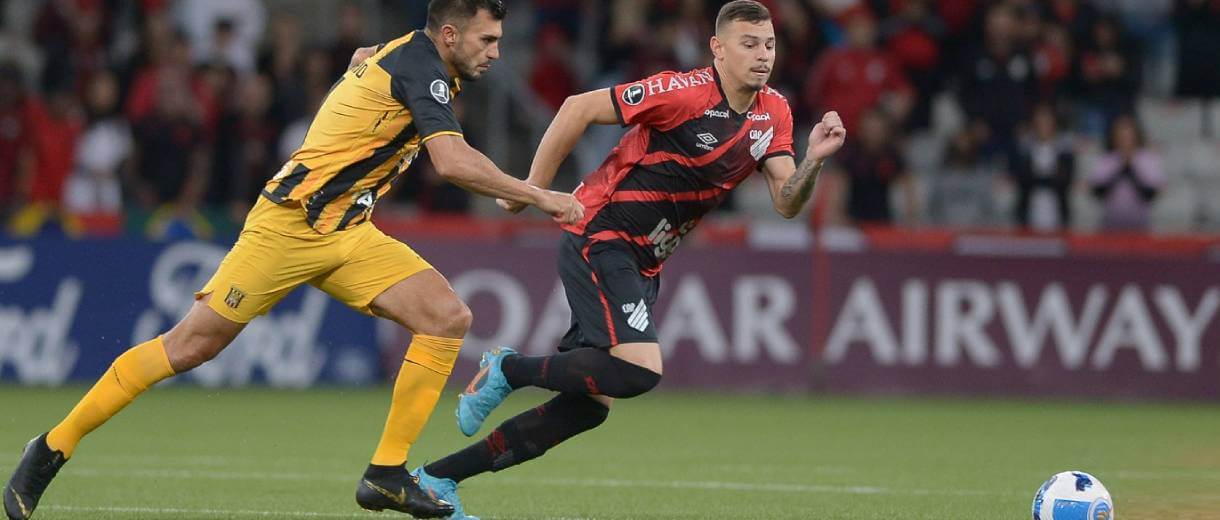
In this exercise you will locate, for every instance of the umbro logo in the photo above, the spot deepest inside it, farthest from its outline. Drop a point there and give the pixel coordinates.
(637, 315)
(706, 140)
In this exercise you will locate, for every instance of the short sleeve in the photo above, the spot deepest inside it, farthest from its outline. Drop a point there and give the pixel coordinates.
(654, 102)
(781, 141)
(420, 83)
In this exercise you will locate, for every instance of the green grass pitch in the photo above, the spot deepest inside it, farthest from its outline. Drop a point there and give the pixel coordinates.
(184, 453)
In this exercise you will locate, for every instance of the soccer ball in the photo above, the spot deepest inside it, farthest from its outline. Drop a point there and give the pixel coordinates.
(1073, 495)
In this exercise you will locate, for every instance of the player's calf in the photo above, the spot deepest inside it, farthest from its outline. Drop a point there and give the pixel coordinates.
(524, 437)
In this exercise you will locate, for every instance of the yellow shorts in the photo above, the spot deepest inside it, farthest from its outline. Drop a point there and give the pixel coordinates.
(277, 251)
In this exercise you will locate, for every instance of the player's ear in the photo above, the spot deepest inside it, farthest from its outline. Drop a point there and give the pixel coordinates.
(449, 34)
(717, 47)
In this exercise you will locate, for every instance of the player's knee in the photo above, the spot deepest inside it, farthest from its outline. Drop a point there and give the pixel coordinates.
(458, 318)
(583, 411)
(187, 353)
(634, 380)
(450, 318)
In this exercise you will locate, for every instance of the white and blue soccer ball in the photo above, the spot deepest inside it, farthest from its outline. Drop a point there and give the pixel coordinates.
(1073, 495)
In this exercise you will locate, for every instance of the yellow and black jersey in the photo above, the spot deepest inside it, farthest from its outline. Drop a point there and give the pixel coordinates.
(368, 130)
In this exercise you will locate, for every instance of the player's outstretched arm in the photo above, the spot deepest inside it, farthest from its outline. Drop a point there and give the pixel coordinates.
(459, 163)
(792, 184)
(574, 117)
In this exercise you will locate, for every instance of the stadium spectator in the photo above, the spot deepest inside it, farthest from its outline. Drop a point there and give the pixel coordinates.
(228, 30)
(963, 188)
(101, 155)
(1127, 178)
(1198, 26)
(245, 149)
(997, 83)
(1077, 16)
(1043, 171)
(227, 50)
(1107, 76)
(913, 33)
(282, 60)
(553, 76)
(867, 169)
(1053, 57)
(172, 162)
(801, 30)
(859, 76)
(169, 63)
(14, 133)
(73, 36)
(54, 127)
(350, 23)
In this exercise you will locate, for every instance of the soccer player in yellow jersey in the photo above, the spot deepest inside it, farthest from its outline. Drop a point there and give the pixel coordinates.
(311, 225)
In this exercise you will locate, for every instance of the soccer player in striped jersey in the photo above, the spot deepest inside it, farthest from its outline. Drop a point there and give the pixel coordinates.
(693, 137)
(312, 225)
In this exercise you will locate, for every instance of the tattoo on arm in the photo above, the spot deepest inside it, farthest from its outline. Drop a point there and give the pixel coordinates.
(799, 187)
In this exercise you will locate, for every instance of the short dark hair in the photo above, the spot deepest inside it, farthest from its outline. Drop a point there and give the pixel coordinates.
(441, 12)
(742, 11)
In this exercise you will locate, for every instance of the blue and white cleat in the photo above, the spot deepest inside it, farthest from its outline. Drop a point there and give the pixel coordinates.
(442, 489)
(485, 392)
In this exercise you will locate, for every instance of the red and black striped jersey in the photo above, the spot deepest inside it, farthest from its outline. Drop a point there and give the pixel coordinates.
(685, 151)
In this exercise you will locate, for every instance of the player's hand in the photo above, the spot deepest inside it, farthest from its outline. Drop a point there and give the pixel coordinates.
(827, 136)
(562, 207)
(511, 206)
(360, 55)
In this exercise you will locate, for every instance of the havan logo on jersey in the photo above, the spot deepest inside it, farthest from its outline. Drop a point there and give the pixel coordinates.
(661, 85)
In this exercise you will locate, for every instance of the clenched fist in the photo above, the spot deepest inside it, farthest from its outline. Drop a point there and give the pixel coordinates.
(827, 136)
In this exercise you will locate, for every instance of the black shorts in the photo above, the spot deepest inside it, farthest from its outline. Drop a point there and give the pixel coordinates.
(611, 301)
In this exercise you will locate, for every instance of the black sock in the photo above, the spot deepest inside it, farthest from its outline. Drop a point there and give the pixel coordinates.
(582, 371)
(523, 437)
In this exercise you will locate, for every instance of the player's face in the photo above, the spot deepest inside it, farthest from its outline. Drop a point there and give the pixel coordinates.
(478, 44)
(747, 52)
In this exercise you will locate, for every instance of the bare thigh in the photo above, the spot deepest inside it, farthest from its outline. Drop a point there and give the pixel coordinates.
(424, 303)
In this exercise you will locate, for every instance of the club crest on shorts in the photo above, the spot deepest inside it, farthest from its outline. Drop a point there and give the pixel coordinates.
(233, 300)
(637, 315)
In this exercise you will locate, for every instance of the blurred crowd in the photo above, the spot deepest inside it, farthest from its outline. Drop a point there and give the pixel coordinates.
(165, 117)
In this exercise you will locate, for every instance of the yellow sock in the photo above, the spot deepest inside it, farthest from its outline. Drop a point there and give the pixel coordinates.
(428, 364)
(132, 373)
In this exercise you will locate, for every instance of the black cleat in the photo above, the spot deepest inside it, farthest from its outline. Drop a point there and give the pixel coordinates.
(38, 466)
(394, 488)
